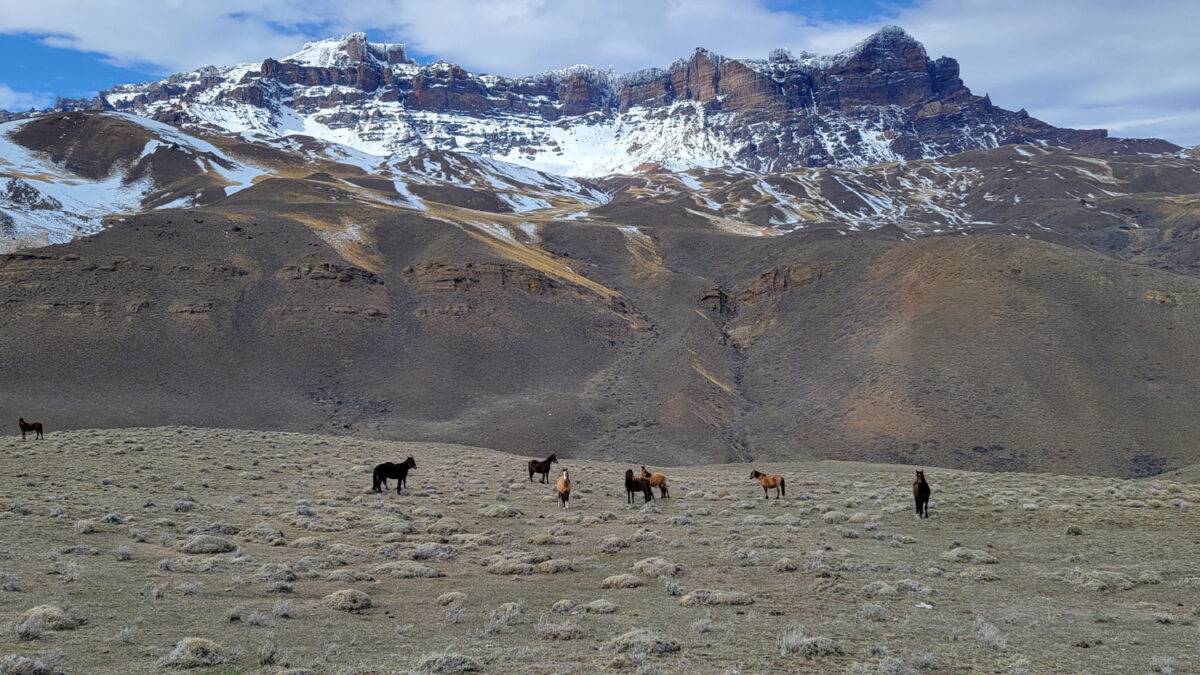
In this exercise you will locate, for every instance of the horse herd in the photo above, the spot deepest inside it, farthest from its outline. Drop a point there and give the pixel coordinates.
(643, 483)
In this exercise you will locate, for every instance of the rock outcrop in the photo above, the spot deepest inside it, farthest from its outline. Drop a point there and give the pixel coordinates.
(881, 100)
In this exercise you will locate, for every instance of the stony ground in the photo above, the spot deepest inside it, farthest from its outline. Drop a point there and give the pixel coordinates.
(137, 550)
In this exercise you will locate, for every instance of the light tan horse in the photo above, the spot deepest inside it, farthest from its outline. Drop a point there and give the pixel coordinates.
(768, 482)
(658, 480)
(564, 488)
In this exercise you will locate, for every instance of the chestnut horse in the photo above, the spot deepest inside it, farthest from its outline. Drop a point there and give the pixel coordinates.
(767, 482)
(35, 427)
(564, 488)
(638, 484)
(657, 480)
(389, 470)
(542, 467)
(921, 494)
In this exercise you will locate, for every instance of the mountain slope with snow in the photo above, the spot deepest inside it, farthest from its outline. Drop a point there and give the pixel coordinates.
(882, 100)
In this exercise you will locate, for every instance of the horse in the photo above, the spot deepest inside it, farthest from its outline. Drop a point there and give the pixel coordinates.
(921, 494)
(35, 427)
(389, 470)
(638, 484)
(658, 480)
(767, 482)
(542, 467)
(564, 488)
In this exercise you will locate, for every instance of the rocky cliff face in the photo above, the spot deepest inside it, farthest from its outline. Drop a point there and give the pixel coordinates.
(881, 100)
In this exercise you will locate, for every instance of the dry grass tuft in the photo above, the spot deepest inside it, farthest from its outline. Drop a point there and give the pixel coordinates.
(969, 555)
(1096, 580)
(51, 617)
(454, 598)
(499, 511)
(348, 600)
(445, 526)
(555, 566)
(702, 596)
(548, 630)
(193, 652)
(989, 635)
(784, 565)
(640, 640)
(601, 606)
(794, 641)
(878, 589)
(406, 569)
(658, 567)
(622, 581)
(206, 544)
(49, 663)
(612, 544)
(445, 662)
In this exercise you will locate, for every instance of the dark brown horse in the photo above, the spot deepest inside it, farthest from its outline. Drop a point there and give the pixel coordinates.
(390, 470)
(35, 427)
(769, 482)
(921, 495)
(658, 480)
(634, 485)
(542, 467)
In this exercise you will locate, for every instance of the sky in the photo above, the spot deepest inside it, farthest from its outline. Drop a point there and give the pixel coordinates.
(1130, 67)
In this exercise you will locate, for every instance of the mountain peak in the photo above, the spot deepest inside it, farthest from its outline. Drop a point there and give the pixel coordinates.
(350, 49)
(889, 48)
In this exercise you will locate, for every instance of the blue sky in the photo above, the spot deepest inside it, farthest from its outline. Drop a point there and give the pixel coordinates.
(1128, 67)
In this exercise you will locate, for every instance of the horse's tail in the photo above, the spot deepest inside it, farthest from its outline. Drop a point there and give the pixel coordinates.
(375, 481)
(782, 488)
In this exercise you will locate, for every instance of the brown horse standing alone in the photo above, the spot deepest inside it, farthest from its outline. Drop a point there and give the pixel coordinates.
(35, 427)
(921, 495)
(657, 480)
(774, 481)
(564, 488)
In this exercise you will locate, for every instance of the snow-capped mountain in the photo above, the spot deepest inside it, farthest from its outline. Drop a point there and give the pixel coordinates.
(881, 100)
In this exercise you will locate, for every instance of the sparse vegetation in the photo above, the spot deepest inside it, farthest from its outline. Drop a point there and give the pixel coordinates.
(266, 597)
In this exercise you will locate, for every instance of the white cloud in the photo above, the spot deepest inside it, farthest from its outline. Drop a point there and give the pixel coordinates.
(171, 35)
(11, 99)
(1080, 63)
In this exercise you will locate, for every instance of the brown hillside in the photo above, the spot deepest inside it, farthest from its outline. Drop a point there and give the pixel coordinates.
(298, 305)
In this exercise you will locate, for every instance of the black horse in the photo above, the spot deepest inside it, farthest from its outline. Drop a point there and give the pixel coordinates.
(634, 485)
(35, 427)
(389, 470)
(921, 495)
(542, 467)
